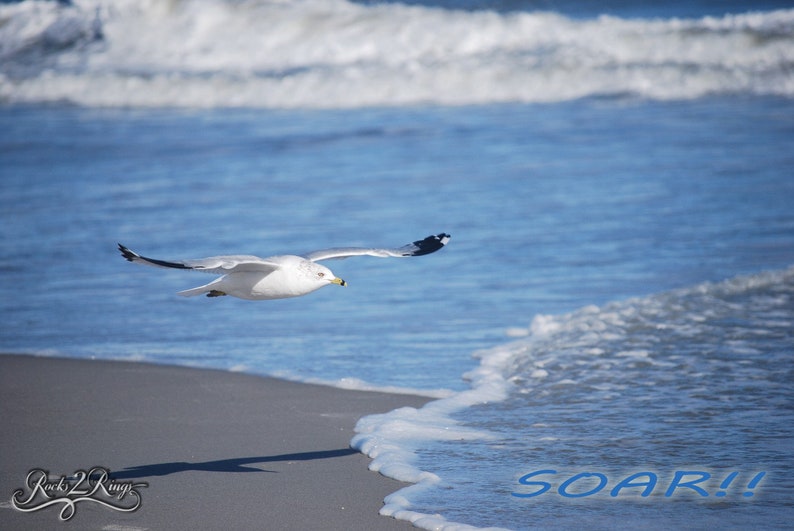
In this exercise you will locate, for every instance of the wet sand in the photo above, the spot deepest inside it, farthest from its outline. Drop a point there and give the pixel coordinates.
(218, 450)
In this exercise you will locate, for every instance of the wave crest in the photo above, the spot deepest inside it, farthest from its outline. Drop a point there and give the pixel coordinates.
(334, 53)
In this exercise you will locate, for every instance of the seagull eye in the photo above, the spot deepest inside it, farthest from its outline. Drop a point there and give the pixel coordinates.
(320, 274)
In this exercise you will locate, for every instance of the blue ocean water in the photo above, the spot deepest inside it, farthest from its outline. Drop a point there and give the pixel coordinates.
(617, 297)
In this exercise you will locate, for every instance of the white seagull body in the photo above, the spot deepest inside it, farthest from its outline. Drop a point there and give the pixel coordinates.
(279, 277)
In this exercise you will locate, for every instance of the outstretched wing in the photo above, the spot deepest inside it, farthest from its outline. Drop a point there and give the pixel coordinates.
(214, 264)
(429, 245)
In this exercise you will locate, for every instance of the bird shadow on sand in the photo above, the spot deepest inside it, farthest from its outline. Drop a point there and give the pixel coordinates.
(239, 464)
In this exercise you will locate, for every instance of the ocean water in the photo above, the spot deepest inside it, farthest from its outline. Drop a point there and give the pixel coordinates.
(339, 53)
(609, 335)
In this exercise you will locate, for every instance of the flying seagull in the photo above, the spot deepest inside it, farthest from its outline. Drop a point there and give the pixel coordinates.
(279, 277)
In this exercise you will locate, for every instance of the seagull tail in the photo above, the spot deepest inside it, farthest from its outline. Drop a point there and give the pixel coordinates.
(209, 289)
(194, 292)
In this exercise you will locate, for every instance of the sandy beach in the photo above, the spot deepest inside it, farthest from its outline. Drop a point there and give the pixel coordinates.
(217, 450)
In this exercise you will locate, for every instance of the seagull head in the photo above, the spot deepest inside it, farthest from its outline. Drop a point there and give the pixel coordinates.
(324, 275)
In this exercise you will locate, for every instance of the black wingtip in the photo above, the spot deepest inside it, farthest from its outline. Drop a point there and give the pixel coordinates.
(127, 253)
(132, 256)
(430, 244)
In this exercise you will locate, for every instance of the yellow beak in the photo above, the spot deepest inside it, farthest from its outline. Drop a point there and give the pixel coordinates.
(339, 281)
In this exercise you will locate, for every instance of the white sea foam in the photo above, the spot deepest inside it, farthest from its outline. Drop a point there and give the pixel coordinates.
(391, 440)
(335, 53)
(587, 355)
